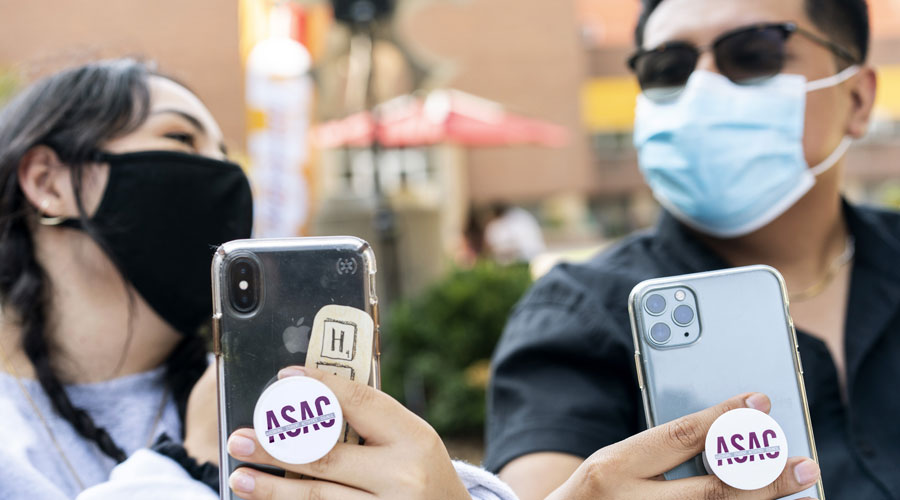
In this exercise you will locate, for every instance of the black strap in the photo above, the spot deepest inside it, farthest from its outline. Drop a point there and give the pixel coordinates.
(207, 473)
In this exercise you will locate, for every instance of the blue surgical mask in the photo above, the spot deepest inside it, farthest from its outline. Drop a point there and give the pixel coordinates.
(727, 159)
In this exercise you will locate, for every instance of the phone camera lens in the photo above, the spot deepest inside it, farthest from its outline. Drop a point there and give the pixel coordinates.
(655, 304)
(244, 285)
(660, 333)
(683, 315)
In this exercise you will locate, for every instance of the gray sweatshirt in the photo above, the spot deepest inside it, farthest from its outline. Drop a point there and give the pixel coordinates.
(31, 466)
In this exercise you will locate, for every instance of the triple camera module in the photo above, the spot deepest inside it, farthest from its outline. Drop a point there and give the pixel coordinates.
(670, 317)
(243, 284)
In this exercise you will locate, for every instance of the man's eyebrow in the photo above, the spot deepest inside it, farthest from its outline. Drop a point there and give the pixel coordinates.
(193, 121)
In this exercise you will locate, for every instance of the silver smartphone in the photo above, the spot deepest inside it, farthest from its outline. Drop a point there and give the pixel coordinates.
(701, 339)
(266, 294)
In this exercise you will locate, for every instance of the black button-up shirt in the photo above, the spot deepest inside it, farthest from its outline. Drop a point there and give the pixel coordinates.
(564, 378)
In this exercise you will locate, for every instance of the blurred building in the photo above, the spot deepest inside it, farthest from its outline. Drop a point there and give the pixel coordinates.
(528, 55)
(195, 41)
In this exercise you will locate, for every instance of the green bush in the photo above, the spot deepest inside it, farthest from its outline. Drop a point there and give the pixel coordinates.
(437, 346)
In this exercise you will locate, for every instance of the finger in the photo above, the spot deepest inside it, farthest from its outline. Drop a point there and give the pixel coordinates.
(252, 484)
(799, 474)
(377, 417)
(348, 464)
(663, 447)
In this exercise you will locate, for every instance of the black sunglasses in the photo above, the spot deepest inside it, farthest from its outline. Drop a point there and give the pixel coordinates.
(745, 56)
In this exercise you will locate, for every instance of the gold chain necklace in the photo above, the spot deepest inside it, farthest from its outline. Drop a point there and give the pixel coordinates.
(818, 287)
(81, 487)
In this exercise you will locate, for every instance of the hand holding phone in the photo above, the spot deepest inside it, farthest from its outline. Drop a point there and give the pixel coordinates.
(403, 456)
(631, 468)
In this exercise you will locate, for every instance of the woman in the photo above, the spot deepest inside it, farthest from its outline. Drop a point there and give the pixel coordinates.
(113, 189)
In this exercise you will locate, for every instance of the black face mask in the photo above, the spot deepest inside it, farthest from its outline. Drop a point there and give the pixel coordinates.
(162, 216)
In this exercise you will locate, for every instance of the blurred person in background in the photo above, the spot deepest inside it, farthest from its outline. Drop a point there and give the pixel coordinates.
(512, 234)
(747, 110)
(114, 191)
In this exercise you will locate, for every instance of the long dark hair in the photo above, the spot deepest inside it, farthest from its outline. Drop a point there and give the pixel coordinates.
(73, 112)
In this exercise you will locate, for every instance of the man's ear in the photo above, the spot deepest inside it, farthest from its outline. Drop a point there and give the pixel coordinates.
(862, 96)
(46, 182)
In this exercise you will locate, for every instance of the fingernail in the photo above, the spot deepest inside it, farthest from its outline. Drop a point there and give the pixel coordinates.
(240, 446)
(806, 472)
(758, 402)
(241, 482)
(291, 371)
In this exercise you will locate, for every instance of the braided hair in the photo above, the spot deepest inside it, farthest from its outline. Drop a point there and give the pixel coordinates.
(73, 112)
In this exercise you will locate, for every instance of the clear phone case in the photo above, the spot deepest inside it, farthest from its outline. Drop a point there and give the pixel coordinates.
(295, 277)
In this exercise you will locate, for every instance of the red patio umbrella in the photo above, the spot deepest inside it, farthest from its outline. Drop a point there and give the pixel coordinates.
(445, 116)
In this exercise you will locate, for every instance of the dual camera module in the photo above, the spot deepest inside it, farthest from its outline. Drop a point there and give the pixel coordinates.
(672, 317)
(243, 284)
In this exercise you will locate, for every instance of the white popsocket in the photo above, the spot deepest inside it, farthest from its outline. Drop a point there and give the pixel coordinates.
(298, 420)
(746, 449)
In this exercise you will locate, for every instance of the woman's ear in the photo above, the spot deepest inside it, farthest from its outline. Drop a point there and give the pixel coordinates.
(46, 182)
(862, 96)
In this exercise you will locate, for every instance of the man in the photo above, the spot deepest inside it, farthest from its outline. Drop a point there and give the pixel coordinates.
(746, 158)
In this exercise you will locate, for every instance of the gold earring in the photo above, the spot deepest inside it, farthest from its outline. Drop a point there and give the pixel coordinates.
(50, 221)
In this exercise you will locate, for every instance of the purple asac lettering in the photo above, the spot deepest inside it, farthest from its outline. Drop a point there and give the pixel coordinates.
(291, 420)
(272, 423)
(752, 444)
(306, 413)
(722, 448)
(766, 435)
(319, 402)
(734, 442)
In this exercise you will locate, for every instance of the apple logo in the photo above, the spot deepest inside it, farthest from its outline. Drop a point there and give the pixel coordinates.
(296, 338)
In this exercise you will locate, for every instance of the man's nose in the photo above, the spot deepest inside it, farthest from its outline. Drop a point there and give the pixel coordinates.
(707, 62)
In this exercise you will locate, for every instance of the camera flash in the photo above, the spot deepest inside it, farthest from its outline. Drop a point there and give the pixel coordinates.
(243, 285)
(680, 295)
